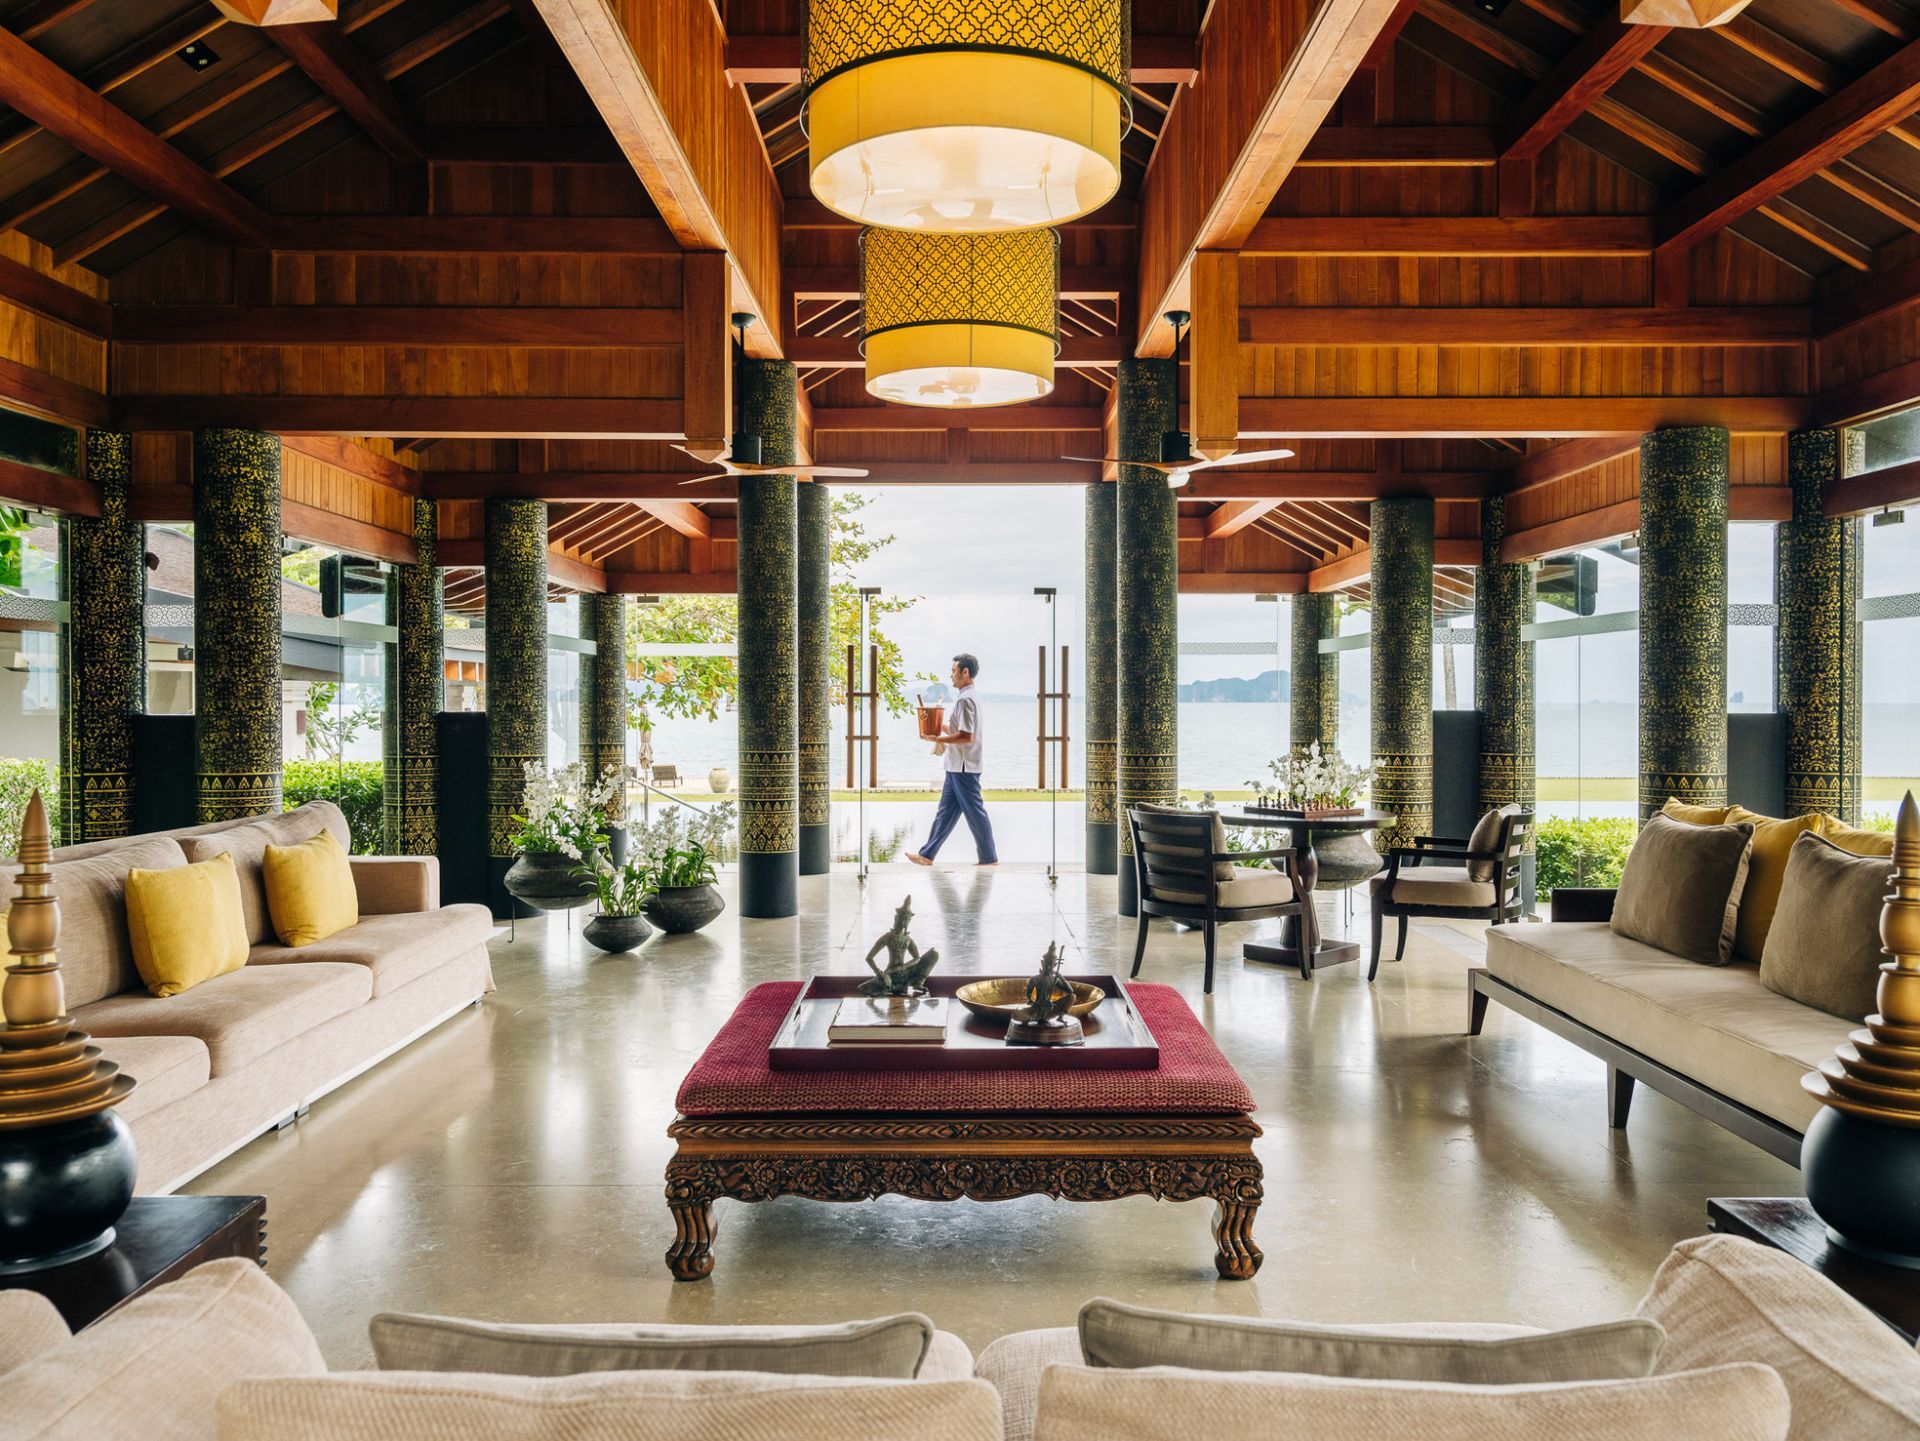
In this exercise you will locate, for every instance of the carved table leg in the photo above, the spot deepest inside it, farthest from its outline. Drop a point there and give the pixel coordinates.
(1238, 1258)
(690, 1257)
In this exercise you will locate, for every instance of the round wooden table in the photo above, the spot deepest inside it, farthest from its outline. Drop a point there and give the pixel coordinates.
(1316, 952)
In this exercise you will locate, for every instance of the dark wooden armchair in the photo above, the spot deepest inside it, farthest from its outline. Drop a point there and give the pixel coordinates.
(1434, 877)
(1184, 872)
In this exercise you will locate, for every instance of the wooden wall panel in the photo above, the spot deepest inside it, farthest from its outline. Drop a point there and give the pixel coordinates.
(1756, 464)
(357, 370)
(71, 358)
(1435, 371)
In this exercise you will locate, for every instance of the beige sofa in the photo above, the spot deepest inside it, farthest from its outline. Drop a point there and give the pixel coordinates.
(222, 1062)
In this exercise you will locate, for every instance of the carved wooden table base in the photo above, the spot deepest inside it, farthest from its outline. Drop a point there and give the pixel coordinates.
(1078, 1157)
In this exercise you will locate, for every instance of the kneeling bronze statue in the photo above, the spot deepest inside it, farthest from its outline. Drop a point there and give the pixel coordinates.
(1045, 1021)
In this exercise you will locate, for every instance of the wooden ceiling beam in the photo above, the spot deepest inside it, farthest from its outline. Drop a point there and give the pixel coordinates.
(478, 417)
(1236, 483)
(803, 212)
(1888, 488)
(1338, 574)
(1230, 517)
(683, 517)
(330, 60)
(39, 489)
(1556, 462)
(505, 327)
(1568, 91)
(842, 282)
(1523, 327)
(842, 352)
(472, 235)
(1485, 236)
(676, 582)
(920, 418)
(1415, 146)
(781, 59)
(1242, 582)
(1549, 417)
(1227, 484)
(666, 487)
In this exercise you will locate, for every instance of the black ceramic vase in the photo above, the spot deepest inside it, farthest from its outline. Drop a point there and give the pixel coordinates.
(546, 879)
(1863, 1180)
(678, 910)
(616, 933)
(61, 1189)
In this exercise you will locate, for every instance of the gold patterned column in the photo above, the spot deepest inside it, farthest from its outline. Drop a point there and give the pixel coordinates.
(415, 688)
(516, 562)
(1683, 617)
(1313, 714)
(1146, 605)
(1817, 581)
(1401, 543)
(103, 652)
(603, 685)
(1103, 843)
(769, 641)
(1503, 602)
(236, 622)
(814, 509)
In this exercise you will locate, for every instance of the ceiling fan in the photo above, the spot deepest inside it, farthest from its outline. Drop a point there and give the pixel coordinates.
(1177, 460)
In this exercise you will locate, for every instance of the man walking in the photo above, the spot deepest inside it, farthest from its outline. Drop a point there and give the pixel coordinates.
(960, 792)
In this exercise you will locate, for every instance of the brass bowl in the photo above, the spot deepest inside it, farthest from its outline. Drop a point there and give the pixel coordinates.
(1005, 997)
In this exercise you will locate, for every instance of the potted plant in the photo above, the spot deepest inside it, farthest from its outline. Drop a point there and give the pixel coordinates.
(1315, 784)
(680, 852)
(623, 892)
(560, 835)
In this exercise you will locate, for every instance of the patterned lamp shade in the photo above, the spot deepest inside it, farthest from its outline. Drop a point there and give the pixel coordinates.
(966, 115)
(960, 320)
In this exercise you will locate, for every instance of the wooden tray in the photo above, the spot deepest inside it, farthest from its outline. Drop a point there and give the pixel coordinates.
(1118, 1039)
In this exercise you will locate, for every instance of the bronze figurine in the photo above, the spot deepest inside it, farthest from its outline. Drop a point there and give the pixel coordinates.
(1050, 997)
(907, 967)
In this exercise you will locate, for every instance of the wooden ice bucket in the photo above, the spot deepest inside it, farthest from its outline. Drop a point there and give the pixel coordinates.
(932, 721)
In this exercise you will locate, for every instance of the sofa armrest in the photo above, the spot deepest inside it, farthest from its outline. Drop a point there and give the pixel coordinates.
(387, 885)
(1582, 903)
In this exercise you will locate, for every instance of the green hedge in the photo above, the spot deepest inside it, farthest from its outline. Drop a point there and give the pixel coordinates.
(1588, 852)
(355, 786)
(18, 780)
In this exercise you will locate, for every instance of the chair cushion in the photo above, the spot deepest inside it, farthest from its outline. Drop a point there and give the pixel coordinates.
(1721, 1298)
(1824, 948)
(166, 1067)
(397, 948)
(1681, 888)
(96, 950)
(310, 891)
(186, 925)
(1718, 1025)
(1248, 886)
(1436, 886)
(240, 1016)
(1489, 834)
(248, 845)
(30, 1327)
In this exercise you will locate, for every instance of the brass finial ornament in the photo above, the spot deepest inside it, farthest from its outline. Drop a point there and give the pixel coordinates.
(67, 1162)
(1861, 1156)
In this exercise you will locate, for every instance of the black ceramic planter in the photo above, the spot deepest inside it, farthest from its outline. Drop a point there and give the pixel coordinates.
(617, 933)
(546, 879)
(1863, 1180)
(679, 910)
(61, 1189)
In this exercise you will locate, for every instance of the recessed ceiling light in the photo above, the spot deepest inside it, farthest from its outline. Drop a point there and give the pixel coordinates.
(199, 55)
(1491, 7)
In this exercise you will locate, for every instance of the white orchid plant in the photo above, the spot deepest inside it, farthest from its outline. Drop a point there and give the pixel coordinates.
(683, 846)
(1313, 779)
(566, 809)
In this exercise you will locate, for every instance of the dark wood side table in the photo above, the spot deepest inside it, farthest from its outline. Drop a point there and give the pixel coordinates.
(160, 1239)
(1788, 1224)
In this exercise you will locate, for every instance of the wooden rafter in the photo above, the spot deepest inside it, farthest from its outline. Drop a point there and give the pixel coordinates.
(328, 58)
(1569, 90)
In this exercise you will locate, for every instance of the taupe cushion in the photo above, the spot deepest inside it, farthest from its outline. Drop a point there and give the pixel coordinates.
(1680, 891)
(167, 1068)
(1435, 886)
(1489, 834)
(1823, 948)
(248, 843)
(1125, 1337)
(1717, 1024)
(241, 1015)
(154, 1369)
(1014, 1364)
(620, 1406)
(1249, 886)
(1727, 1403)
(96, 956)
(30, 1327)
(888, 1348)
(1222, 870)
(1725, 1299)
(396, 948)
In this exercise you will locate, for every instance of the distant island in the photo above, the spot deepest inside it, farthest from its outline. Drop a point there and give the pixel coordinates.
(1267, 688)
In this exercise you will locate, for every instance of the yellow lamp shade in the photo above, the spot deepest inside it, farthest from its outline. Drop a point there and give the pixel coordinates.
(960, 320)
(966, 117)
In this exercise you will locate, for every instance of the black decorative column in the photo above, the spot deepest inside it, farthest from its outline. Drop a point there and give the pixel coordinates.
(1103, 842)
(236, 622)
(1683, 617)
(1402, 550)
(103, 654)
(1314, 713)
(1503, 602)
(769, 598)
(1817, 581)
(814, 511)
(603, 684)
(415, 691)
(516, 561)
(1146, 606)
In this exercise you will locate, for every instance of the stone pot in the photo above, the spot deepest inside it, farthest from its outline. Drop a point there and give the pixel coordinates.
(1345, 860)
(680, 910)
(61, 1189)
(617, 933)
(720, 780)
(1863, 1180)
(545, 879)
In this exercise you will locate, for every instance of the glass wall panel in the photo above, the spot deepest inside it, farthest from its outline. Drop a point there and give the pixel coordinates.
(1587, 683)
(1751, 631)
(1890, 679)
(170, 620)
(1234, 689)
(31, 615)
(1356, 686)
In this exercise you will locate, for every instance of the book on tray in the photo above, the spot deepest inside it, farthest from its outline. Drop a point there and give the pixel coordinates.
(890, 1021)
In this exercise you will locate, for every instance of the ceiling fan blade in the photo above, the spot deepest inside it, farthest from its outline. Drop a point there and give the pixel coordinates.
(1245, 457)
(848, 471)
(1177, 478)
(1092, 459)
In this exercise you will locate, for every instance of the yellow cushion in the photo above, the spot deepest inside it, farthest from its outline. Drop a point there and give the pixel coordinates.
(310, 892)
(185, 924)
(1696, 815)
(1855, 840)
(1766, 872)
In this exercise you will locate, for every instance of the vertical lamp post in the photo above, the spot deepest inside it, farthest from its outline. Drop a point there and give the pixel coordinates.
(867, 593)
(1047, 593)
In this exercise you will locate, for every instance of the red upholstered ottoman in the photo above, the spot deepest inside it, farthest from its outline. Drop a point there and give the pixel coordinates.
(750, 1133)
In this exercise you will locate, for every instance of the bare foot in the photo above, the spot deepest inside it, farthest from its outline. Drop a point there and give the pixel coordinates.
(986, 865)
(918, 859)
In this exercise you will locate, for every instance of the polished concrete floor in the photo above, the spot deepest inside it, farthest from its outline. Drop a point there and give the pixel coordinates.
(509, 1164)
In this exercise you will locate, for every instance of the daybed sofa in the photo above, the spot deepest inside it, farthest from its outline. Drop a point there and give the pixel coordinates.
(235, 1055)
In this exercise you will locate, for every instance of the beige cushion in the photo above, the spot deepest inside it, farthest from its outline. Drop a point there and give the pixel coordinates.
(1725, 1299)
(1436, 886)
(96, 953)
(30, 1327)
(889, 1348)
(248, 844)
(386, 884)
(166, 1068)
(1823, 948)
(1680, 891)
(1130, 1337)
(1015, 1363)
(154, 1369)
(1222, 870)
(1250, 886)
(1488, 835)
(240, 1016)
(396, 948)
(1718, 1025)
(1728, 1403)
(618, 1406)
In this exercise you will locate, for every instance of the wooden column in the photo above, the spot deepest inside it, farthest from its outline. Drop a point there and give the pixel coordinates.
(1402, 649)
(415, 692)
(236, 622)
(1146, 606)
(1503, 683)
(1215, 414)
(814, 525)
(1683, 617)
(603, 686)
(1103, 844)
(103, 651)
(769, 641)
(516, 562)
(1817, 583)
(1314, 713)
